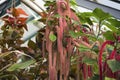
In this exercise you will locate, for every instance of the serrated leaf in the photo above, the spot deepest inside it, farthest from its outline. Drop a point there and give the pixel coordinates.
(111, 27)
(109, 35)
(114, 22)
(89, 21)
(22, 65)
(52, 37)
(85, 17)
(83, 48)
(100, 14)
(114, 65)
(76, 34)
(88, 61)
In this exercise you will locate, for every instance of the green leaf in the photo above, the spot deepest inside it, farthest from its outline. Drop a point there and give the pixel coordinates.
(95, 48)
(2, 55)
(107, 78)
(111, 27)
(92, 37)
(88, 61)
(89, 21)
(22, 65)
(86, 14)
(95, 77)
(75, 22)
(76, 34)
(49, 2)
(52, 37)
(114, 22)
(109, 35)
(57, 16)
(9, 75)
(86, 26)
(85, 17)
(114, 65)
(100, 14)
(73, 3)
(74, 58)
(83, 48)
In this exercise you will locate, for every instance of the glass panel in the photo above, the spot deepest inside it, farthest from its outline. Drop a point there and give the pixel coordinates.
(110, 3)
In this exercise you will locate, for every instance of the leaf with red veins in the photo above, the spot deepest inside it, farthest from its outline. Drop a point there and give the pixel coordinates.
(8, 19)
(15, 22)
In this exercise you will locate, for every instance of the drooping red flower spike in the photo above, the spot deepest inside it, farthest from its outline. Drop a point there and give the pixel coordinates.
(100, 57)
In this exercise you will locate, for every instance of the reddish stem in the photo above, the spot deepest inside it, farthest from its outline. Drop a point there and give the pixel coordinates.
(89, 71)
(107, 70)
(112, 55)
(100, 57)
(85, 71)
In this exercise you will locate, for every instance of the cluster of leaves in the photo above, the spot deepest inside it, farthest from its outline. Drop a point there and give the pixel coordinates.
(104, 29)
(19, 62)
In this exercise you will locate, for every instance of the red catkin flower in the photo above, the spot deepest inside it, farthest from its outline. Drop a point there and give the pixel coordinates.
(108, 72)
(100, 57)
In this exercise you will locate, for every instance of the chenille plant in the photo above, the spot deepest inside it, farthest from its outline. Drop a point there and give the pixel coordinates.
(76, 42)
(71, 46)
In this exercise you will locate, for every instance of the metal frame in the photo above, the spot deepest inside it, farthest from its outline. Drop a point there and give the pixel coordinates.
(6, 5)
(93, 5)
